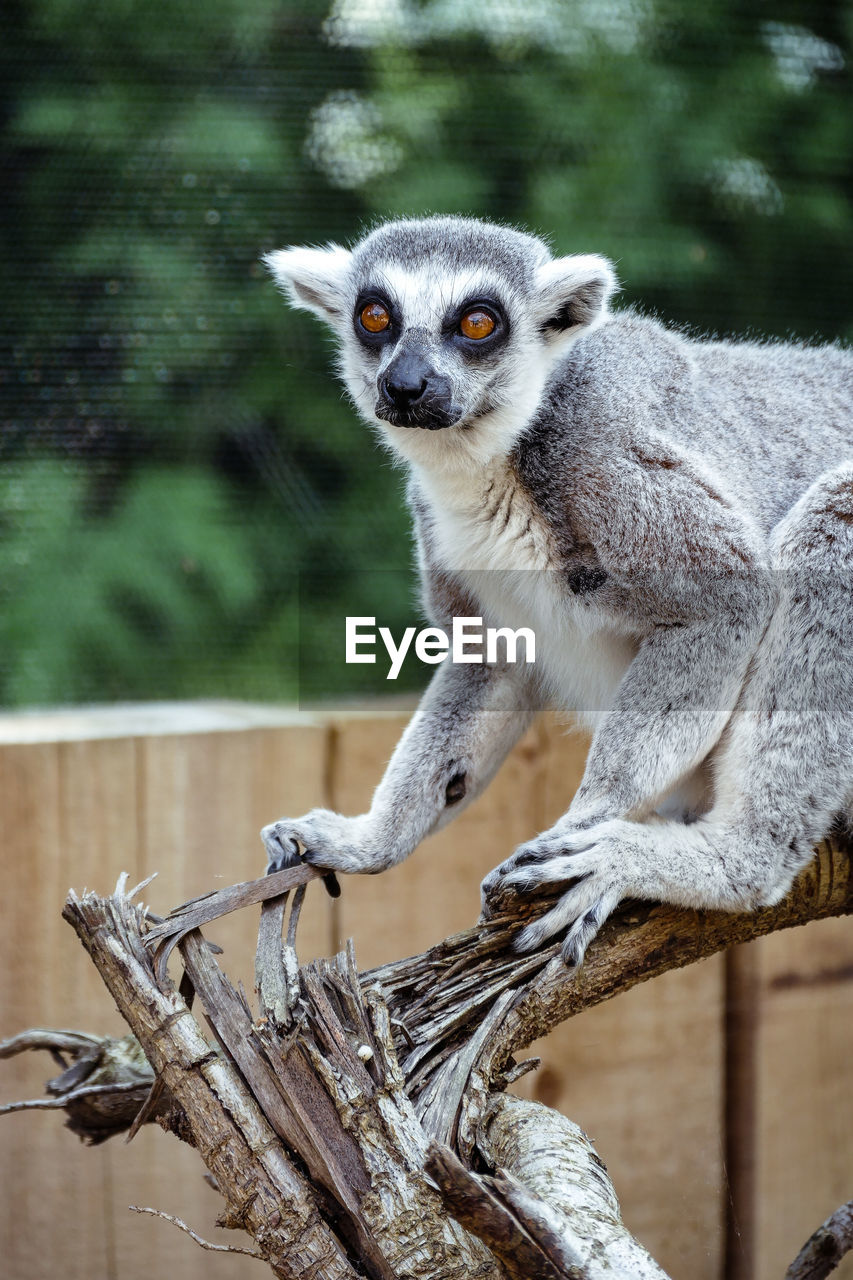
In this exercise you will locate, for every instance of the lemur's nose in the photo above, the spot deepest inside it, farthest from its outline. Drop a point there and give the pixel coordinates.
(406, 379)
(403, 393)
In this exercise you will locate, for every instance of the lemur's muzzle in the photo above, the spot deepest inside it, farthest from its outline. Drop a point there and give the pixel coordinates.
(413, 394)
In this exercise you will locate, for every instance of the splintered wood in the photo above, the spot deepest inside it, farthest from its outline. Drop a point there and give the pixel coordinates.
(355, 1124)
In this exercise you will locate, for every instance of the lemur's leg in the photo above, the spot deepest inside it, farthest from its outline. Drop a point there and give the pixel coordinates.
(468, 719)
(783, 769)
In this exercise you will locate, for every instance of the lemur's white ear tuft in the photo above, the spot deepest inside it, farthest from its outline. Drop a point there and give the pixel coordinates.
(572, 293)
(313, 279)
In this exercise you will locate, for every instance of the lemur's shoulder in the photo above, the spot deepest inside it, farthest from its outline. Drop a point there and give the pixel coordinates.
(603, 460)
(627, 355)
(608, 403)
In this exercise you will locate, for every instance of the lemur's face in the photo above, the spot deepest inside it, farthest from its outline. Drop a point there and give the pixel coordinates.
(447, 326)
(428, 349)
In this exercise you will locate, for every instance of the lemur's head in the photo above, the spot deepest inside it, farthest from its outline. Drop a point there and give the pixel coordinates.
(448, 327)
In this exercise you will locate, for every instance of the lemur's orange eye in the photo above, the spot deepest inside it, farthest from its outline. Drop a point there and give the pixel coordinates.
(374, 317)
(477, 324)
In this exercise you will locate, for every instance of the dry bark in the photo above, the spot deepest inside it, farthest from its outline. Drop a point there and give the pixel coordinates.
(823, 1250)
(347, 1124)
(443, 996)
(101, 1088)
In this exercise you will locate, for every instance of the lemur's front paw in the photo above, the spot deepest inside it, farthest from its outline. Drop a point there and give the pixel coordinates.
(324, 839)
(596, 862)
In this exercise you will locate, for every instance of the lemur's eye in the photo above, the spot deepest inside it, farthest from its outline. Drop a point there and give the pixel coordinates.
(477, 324)
(374, 317)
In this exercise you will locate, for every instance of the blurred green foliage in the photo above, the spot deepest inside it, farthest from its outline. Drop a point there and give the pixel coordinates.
(184, 493)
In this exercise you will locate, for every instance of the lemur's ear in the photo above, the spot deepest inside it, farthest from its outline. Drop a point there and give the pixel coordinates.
(313, 279)
(572, 293)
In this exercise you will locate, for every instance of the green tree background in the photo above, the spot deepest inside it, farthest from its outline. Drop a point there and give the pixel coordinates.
(184, 492)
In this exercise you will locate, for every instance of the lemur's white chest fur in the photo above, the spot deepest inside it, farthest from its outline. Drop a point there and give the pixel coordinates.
(489, 533)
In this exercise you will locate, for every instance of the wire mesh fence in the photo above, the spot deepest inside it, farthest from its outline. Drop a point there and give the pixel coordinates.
(186, 498)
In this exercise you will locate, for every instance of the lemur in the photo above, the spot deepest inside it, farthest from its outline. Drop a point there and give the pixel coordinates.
(673, 516)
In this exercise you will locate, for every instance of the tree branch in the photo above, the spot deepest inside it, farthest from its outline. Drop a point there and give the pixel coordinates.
(440, 998)
(554, 1177)
(233, 1137)
(204, 1244)
(324, 1106)
(101, 1088)
(823, 1250)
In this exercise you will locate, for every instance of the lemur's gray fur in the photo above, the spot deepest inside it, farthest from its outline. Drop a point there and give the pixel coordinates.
(672, 516)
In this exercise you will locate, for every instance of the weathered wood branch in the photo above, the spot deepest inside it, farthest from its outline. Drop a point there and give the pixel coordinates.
(439, 999)
(102, 1084)
(334, 1120)
(551, 1211)
(264, 1189)
(551, 1170)
(204, 1244)
(825, 1248)
(306, 1129)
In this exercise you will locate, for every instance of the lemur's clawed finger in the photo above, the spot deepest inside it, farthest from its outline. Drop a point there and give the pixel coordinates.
(282, 850)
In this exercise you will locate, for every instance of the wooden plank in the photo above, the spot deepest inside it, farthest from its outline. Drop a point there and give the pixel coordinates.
(148, 720)
(104, 808)
(643, 1077)
(33, 1204)
(742, 1008)
(78, 813)
(437, 891)
(29, 844)
(565, 750)
(68, 813)
(804, 1156)
(98, 840)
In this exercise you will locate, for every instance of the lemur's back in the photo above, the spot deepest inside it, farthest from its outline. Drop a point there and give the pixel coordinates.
(767, 418)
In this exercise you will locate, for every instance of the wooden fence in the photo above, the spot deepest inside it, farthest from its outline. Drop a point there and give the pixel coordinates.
(724, 1084)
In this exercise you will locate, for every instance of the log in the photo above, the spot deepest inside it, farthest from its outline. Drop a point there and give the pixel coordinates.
(355, 1124)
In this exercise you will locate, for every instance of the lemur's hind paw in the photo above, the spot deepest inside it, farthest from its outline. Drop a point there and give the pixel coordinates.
(594, 863)
(582, 928)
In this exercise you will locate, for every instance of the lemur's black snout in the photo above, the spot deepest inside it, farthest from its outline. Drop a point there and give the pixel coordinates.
(413, 394)
(403, 394)
(407, 379)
